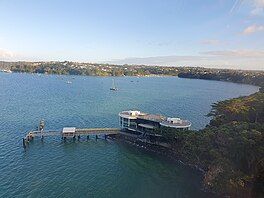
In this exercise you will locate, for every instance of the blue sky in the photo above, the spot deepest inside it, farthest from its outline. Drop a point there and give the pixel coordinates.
(211, 33)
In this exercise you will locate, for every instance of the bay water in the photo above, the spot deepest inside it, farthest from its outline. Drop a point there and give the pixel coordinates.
(102, 168)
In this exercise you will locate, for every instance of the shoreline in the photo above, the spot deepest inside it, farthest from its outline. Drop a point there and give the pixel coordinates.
(136, 76)
(154, 148)
(175, 157)
(165, 153)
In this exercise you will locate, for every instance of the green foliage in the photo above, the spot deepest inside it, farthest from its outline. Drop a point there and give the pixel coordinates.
(91, 69)
(238, 76)
(230, 149)
(245, 109)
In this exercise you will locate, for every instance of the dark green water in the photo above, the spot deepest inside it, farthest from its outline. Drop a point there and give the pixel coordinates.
(97, 168)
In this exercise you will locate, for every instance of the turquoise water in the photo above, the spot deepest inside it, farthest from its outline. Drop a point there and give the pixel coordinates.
(97, 168)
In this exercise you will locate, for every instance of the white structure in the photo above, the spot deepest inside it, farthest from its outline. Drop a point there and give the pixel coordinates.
(176, 123)
(139, 121)
(128, 118)
(174, 120)
(68, 132)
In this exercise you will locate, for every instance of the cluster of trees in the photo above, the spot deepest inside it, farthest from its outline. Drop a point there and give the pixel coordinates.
(57, 68)
(93, 69)
(248, 109)
(247, 77)
(230, 149)
(90, 69)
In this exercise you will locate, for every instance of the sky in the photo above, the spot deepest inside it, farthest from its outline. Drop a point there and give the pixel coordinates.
(209, 33)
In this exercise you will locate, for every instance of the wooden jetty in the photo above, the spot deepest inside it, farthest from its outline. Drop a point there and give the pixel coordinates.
(68, 132)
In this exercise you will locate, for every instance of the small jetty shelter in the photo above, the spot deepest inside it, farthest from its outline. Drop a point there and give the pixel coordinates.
(68, 132)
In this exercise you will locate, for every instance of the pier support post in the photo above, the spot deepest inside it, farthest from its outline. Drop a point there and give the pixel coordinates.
(42, 138)
(79, 137)
(96, 137)
(105, 136)
(24, 143)
(74, 138)
(88, 137)
(64, 138)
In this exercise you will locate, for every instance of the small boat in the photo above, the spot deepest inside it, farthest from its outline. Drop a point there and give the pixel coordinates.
(69, 82)
(113, 88)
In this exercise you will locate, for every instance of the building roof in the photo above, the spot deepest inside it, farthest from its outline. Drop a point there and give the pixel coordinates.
(162, 120)
(152, 117)
(68, 130)
(180, 124)
(131, 114)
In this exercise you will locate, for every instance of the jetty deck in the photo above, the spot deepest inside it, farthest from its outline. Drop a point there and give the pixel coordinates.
(85, 131)
(68, 132)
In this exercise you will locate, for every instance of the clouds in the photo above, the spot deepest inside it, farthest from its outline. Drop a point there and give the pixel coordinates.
(258, 8)
(157, 34)
(5, 54)
(253, 29)
(211, 42)
(259, 3)
(237, 53)
(254, 8)
(235, 59)
(236, 5)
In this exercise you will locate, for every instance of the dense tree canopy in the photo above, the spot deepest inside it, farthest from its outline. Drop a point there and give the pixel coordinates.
(230, 149)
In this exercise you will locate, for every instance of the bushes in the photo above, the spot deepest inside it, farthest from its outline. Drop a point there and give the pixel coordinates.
(230, 149)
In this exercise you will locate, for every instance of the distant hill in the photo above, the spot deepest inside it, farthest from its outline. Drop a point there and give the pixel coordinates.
(94, 69)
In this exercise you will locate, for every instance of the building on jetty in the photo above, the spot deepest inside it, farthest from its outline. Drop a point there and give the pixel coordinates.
(134, 124)
(144, 124)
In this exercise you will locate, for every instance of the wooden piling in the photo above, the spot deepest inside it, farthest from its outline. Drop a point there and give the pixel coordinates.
(24, 143)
